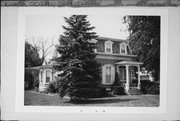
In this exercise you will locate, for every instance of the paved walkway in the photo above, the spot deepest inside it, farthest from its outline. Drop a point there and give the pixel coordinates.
(35, 98)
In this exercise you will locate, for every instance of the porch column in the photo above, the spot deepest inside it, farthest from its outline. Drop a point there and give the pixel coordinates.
(39, 77)
(139, 83)
(44, 77)
(117, 69)
(127, 78)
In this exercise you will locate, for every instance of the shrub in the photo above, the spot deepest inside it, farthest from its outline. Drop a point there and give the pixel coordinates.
(102, 92)
(86, 92)
(31, 79)
(53, 87)
(36, 84)
(95, 93)
(28, 84)
(148, 87)
(119, 91)
(154, 89)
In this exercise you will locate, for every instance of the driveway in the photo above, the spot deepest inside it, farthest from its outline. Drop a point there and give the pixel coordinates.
(36, 98)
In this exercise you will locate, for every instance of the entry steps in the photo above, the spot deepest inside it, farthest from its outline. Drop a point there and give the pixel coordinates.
(135, 91)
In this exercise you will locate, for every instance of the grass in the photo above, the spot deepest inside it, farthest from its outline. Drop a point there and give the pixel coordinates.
(39, 99)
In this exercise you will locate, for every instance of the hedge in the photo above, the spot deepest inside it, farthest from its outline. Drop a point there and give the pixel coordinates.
(148, 87)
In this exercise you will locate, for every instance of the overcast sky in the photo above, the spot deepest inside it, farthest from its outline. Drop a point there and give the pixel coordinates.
(50, 26)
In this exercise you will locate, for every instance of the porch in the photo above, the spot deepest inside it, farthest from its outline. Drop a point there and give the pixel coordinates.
(120, 75)
(124, 71)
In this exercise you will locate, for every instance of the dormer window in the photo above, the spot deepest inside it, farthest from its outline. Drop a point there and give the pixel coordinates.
(108, 46)
(123, 48)
(93, 41)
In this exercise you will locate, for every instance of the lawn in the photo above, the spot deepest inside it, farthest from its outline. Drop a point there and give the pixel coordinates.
(35, 98)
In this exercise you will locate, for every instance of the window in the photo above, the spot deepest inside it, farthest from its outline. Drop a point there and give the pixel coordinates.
(108, 46)
(128, 50)
(41, 76)
(48, 75)
(108, 74)
(123, 48)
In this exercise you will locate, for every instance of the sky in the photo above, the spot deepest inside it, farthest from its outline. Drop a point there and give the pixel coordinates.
(50, 28)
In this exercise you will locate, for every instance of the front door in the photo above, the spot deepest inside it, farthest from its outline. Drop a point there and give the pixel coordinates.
(122, 74)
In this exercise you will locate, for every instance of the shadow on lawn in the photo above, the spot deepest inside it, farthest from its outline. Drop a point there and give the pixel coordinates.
(101, 101)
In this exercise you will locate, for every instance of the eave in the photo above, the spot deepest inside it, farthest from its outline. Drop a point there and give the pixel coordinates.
(111, 39)
(113, 56)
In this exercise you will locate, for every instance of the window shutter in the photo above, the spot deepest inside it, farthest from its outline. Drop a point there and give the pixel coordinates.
(103, 74)
(112, 74)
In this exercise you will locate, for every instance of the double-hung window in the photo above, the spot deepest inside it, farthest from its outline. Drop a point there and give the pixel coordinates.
(108, 46)
(41, 76)
(123, 48)
(108, 74)
(48, 76)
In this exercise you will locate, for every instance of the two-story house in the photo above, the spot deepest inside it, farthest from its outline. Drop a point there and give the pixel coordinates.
(115, 57)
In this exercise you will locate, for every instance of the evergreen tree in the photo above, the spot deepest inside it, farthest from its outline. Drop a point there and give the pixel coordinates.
(80, 69)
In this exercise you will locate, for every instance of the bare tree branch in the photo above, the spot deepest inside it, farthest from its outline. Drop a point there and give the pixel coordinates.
(43, 47)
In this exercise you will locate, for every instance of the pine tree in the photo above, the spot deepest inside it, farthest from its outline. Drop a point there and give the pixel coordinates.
(80, 69)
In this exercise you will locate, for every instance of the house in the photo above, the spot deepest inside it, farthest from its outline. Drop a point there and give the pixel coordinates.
(115, 57)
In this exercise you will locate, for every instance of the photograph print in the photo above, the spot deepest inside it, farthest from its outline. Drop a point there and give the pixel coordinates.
(92, 60)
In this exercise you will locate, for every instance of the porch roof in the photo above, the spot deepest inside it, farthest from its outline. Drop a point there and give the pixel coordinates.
(129, 63)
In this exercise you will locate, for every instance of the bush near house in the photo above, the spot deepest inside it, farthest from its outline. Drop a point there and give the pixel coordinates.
(148, 87)
(31, 80)
(53, 87)
(36, 84)
(102, 92)
(28, 84)
(119, 91)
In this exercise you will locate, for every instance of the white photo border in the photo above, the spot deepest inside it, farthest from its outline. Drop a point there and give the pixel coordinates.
(19, 100)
